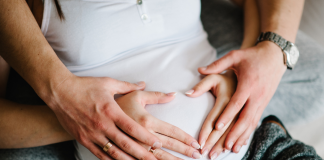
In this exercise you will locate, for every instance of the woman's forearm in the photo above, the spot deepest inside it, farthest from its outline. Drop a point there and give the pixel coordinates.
(251, 23)
(281, 17)
(25, 126)
(24, 47)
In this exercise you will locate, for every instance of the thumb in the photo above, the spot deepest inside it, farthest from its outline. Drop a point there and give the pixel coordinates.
(219, 65)
(204, 85)
(157, 97)
(123, 87)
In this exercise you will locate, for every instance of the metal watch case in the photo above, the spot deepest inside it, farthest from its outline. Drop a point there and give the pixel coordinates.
(292, 55)
(290, 51)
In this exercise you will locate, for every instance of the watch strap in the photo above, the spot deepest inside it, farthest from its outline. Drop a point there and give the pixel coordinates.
(273, 37)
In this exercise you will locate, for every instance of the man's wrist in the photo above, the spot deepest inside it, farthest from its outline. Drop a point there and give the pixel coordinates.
(276, 51)
(49, 85)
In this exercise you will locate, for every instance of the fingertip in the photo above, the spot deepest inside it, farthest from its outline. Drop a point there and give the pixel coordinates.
(202, 70)
(220, 126)
(195, 145)
(157, 145)
(229, 145)
(140, 84)
(172, 94)
(246, 142)
(202, 143)
(190, 92)
(237, 148)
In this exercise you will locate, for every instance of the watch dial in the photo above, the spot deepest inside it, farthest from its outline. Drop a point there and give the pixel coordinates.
(293, 55)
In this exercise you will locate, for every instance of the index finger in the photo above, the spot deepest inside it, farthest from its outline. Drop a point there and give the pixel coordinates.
(236, 103)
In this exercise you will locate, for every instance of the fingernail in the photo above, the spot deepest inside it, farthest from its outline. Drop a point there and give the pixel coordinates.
(203, 68)
(157, 145)
(205, 153)
(195, 145)
(230, 145)
(224, 72)
(214, 156)
(189, 92)
(226, 151)
(140, 84)
(172, 94)
(196, 155)
(220, 126)
(202, 145)
(238, 148)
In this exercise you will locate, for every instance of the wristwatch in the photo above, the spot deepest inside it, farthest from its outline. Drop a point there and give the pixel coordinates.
(290, 51)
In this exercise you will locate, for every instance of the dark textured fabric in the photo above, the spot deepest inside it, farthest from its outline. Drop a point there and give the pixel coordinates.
(58, 151)
(272, 142)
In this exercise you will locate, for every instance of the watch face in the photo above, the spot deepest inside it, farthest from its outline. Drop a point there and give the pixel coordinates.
(293, 55)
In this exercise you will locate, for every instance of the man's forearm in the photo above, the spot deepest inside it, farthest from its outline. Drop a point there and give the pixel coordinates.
(24, 47)
(281, 17)
(251, 23)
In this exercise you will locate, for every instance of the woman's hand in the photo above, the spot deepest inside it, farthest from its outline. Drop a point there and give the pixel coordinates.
(223, 87)
(172, 137)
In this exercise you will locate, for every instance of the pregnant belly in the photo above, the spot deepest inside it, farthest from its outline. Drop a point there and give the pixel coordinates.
(172, 68)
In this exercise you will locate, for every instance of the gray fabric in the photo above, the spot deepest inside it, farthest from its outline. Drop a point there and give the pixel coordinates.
(300, 94)
(271, 142)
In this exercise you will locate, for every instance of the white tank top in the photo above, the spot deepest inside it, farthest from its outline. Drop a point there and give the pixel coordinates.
(161, 42)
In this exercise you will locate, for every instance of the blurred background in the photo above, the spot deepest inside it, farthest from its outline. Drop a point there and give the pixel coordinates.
(312, 23)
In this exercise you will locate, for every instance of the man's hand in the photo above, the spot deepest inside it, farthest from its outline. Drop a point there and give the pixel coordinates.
(259, 70)
(87, 110)
(172, 137)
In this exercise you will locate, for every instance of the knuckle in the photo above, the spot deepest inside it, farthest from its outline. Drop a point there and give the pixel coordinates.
(130, 129)
(114, 154)
(98, 125)
(172, 131)
(218, 148)
(146, 156)
(127, 84)
(169, 143)
(125, 145)
(237, 105)
(99, 155)
(215, 63)
(199, 86)
(145, 122)
(188, 151)
(158, 94)
(82, 139)
(158, 154)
